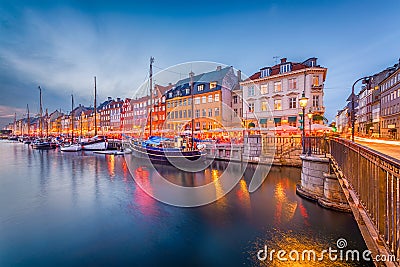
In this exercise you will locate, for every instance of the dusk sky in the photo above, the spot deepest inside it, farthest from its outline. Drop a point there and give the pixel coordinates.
(61, 45)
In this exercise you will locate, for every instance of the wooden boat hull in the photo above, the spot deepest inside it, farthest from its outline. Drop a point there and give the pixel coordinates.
(162, 156)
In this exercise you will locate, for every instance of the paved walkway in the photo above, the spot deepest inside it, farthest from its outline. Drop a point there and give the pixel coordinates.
(390, 148)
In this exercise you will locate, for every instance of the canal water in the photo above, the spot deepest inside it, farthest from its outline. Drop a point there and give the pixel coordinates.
(83, 209)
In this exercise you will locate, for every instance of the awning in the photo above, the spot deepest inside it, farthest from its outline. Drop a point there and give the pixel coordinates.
(292, 119)
(277, 120)
(263, 121)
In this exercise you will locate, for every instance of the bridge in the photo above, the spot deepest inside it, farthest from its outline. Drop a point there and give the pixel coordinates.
(347, 176)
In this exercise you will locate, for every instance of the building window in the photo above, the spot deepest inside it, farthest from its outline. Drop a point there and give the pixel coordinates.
(187, 91)
(292, 102)
(180, 102)
(200, 87)
(315, 100)
(277, 86)
(168, 104)
(189, 101)
(293, 84)
(264, 89)
(184, 114)
(278, 104)
(203, 99)
(216, 98)
(197, 113)
(235, 99)
(250, 91)
(189, 113)
(216, 112)
(251, 107)
(210, 112)
(235, 110)
(180, 114)
(213, 85)
(210, 99)
(264, 105)
(265, 72)
(204, 112)
(315, 80)
(209, 126)
(197, 100)
(286, 68)
(184, 102)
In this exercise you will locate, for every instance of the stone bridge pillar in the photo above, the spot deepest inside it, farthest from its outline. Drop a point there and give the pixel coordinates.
(318, 184)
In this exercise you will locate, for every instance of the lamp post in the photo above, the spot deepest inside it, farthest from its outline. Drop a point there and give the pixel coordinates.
(353, 118)
(309, 115)
(303, 103)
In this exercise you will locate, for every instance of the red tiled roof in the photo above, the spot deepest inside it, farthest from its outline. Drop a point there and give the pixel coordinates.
(276, 69)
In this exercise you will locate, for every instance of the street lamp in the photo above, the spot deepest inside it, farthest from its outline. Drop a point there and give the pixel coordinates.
(309, 115)
(303, 103)
(353, 118)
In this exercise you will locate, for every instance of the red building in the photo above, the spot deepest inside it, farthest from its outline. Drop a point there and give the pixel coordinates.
(159, 108)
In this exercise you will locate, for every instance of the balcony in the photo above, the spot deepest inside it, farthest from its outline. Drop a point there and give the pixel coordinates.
(319, 109)
(317, 88)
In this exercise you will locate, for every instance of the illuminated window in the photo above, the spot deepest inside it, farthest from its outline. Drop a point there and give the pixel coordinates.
(200, 87)
(213, 85)
(264, 89)
(264, 106)
(197, 100)
(277, 86)
(277, 104)
(315, 80)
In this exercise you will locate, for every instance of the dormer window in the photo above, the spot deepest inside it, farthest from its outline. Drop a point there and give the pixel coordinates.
(213, 85)
(200, 87)
(265, 72)
(286, 68)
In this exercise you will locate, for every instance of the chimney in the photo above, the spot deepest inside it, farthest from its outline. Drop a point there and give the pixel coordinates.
(218, 68)
(109, 98)
(283, 60)
(239, 75)
(118, 99)
(169, 84)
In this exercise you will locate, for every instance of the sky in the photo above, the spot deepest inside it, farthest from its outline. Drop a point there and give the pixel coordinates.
(62, 45)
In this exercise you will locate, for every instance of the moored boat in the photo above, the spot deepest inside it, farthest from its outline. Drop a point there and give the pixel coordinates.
(70, 147)
(96, 143)
(41, 144)
(164, 150)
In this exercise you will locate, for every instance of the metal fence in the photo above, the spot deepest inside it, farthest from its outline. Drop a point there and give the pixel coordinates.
(375, 179)
(315, 145)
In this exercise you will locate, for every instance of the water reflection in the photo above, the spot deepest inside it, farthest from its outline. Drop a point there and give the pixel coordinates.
(90, 206)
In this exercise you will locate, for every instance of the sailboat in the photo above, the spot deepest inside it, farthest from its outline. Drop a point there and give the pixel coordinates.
(97, 142)
(160, 149)
(41, 143)
(71, 147)
(27, 140)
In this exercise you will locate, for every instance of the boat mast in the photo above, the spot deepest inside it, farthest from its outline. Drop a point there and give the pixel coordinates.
(95, 107)
(28, 121)
(191, 74)
(72, 119)
(40, 113)
(151, 94)
(15, 123)
(47, 124)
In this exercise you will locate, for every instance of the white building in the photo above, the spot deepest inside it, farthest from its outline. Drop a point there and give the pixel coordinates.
(271, 96)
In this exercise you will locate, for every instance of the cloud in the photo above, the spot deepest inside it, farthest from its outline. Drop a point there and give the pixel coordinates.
(9, 112)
